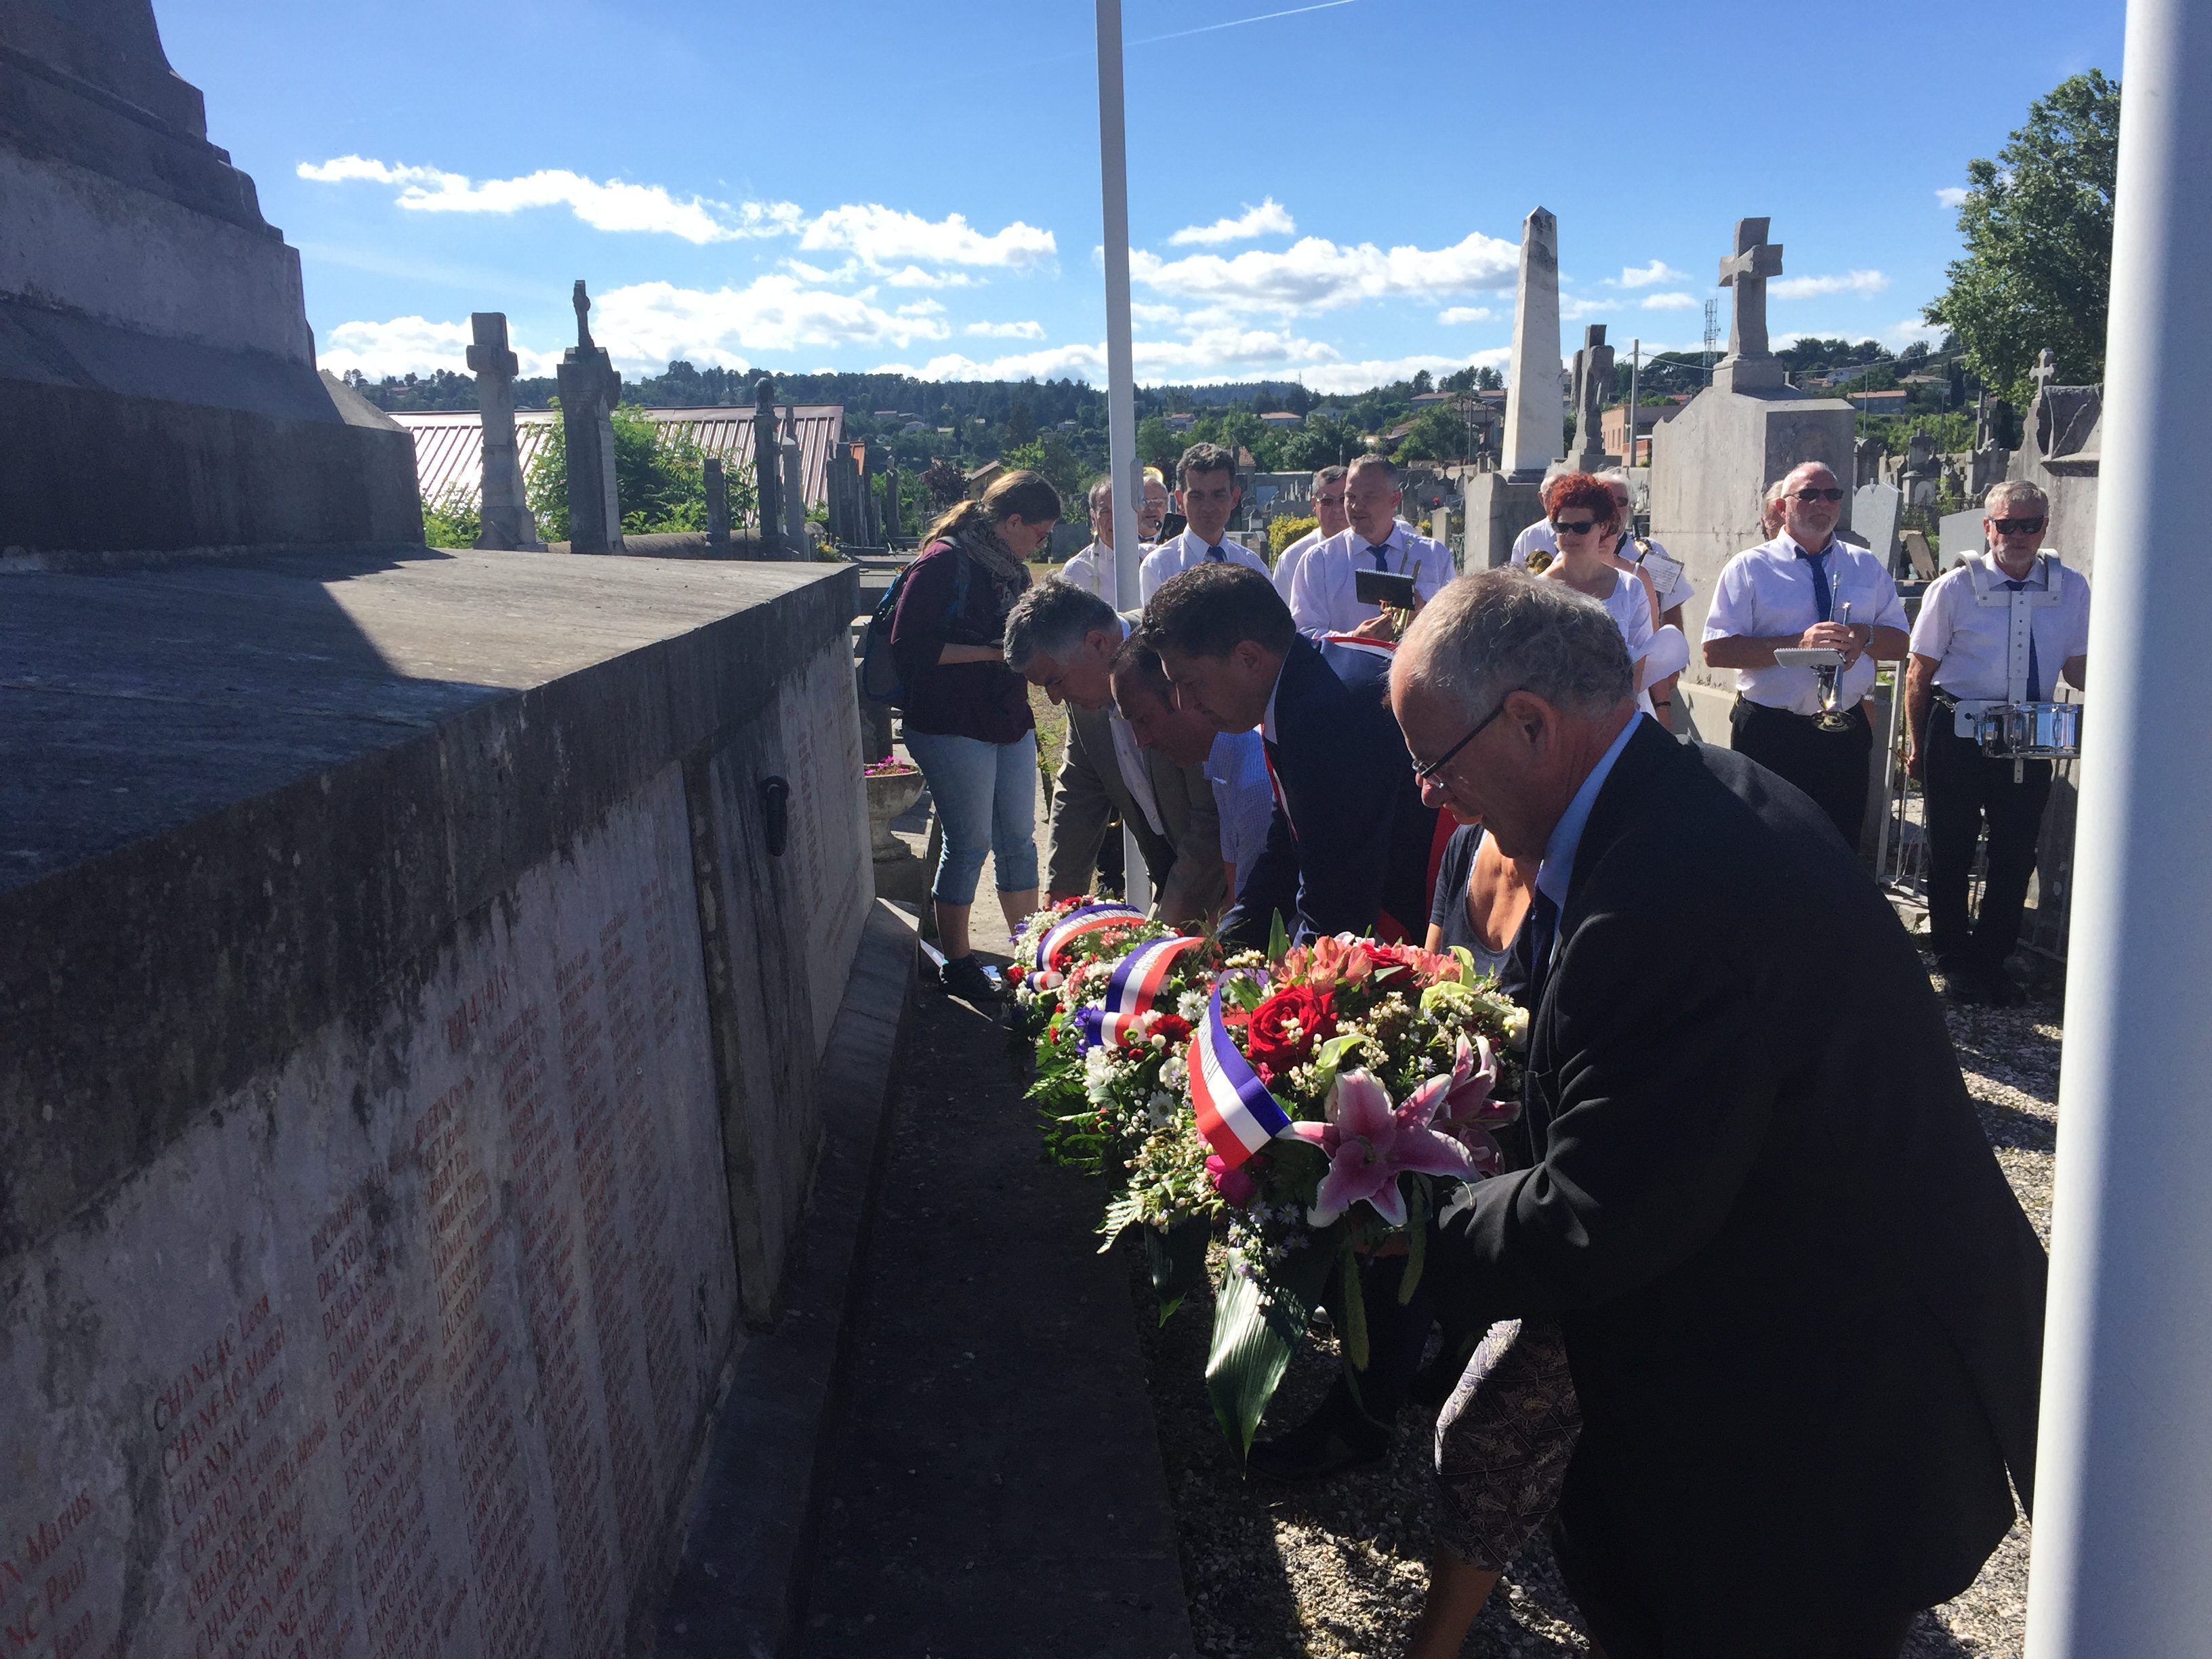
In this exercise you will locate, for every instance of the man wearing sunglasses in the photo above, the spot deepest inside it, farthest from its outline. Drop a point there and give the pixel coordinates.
(1807, 589)
(1329, 487)
(1990, 631)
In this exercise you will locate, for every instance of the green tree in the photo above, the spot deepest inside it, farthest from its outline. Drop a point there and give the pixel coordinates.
(659, 475)
(1438, 434)
(1021, 424)
(2038, 224)
(454, 519)
(1048, 454)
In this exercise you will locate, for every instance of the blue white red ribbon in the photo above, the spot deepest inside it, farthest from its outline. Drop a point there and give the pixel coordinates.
(1089, 918)
(1132, 991)
(1236, 1113)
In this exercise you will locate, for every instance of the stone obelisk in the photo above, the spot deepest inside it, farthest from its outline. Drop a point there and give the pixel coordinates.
(1536, 413)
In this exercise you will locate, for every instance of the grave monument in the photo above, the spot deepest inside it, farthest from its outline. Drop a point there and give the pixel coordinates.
(768, 474)
(507, 522)
(1500, 504)
(1592, 384)
(1711, 464)
(590, 387)
(2063, 453)
(793, 493)
(153, 325)
(718, 503)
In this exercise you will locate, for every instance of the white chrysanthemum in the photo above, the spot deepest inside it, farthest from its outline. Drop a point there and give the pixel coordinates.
(1192, 1006)
(1173, 1071)
(1161, 1110)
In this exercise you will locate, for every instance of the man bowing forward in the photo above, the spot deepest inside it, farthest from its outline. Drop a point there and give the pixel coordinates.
(1802, 1309)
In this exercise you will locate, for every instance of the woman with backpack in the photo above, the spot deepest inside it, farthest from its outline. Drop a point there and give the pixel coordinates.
(967, 721)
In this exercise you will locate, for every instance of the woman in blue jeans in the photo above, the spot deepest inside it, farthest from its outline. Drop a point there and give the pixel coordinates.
(967, 721)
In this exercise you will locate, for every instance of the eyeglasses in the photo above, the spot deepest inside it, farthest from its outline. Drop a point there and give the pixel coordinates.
(2019, 526)
(1809, 497)
(1580, 527)
(1427, 773)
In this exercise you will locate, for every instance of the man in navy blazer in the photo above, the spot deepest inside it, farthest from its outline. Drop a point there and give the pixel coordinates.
(1353, 847)
(1802, 1307)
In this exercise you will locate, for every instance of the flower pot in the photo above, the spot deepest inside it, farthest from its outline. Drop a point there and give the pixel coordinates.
(889, 794)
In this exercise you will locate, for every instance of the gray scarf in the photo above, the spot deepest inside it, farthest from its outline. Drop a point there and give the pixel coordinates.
(981, 543)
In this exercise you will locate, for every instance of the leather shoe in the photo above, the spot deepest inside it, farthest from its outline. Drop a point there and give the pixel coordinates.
(1317, 1449)
(1967, 988)
(966, 980)
(2004, 992)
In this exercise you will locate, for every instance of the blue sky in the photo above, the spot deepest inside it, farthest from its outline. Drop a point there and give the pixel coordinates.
(1335, 193)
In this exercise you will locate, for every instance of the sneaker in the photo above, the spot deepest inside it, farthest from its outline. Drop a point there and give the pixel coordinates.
(966, 980)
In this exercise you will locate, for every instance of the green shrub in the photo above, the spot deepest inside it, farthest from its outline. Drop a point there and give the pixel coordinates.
(1281, 533)
(454, 519)
(659, 475)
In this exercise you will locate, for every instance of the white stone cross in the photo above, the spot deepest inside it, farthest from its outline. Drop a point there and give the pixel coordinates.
(2046, 371)
(1746, 270)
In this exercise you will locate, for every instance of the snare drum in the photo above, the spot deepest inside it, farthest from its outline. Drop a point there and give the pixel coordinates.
(2030, 731)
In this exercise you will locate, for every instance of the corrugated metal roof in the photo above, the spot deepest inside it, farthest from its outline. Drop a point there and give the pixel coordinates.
(449, 444)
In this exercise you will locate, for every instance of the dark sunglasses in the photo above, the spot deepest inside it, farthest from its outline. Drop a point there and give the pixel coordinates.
(2019, 526)
(1810, 496)
(1580, 527)
(1425, 774)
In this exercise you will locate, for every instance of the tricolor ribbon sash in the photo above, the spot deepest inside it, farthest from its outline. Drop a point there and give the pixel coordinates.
(1132, 991)
(1087, 920)
(1236, 1113)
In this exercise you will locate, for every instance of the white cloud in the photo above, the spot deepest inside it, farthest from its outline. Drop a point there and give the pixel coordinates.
(1154, 316)
(1670, 302)
(604, 205)
(1860, 282)
(1315, 274)
(413, 345)
(1206, 355)
(1898, 336)
(1005, 331)
(1649, 276)
(883, 238)
(1270, 218)
(915, 276)
(1573, 308)
(1380, 371)
(1951, 195)
(1451, 316)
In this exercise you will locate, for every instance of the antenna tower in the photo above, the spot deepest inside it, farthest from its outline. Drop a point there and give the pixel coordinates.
(1712, 329)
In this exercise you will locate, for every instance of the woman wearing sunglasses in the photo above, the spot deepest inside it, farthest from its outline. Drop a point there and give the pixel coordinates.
(1586, 519)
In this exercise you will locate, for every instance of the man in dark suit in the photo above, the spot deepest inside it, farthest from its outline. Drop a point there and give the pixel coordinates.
(1802, 1307)
(1352, 848)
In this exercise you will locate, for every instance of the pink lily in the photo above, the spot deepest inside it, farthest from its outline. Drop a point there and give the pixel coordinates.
(1462, 1102)
(1369, 1146)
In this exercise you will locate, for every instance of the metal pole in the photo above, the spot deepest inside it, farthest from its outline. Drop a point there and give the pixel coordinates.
(1121, 357)
(1634, 376)
(2124, 1482)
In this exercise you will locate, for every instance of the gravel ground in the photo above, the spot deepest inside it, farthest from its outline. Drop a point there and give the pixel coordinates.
(1337, 1572)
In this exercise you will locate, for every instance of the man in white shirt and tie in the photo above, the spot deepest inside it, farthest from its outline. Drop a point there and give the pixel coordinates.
(1094, 569)
(1999, 627)
(1328, 486)
(1324, 596)
(1806, 589)
(1207, 494)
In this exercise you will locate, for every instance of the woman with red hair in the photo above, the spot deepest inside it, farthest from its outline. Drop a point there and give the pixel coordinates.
(1586, 518)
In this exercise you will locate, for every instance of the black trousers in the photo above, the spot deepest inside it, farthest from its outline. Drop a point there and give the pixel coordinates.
(1829, 766)
(1966, 790)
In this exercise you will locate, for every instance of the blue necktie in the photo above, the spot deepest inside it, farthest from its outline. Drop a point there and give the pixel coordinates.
(1822, 599)
(1216, 555)
(2034, 668)
(1543, 934)
(1378, 552)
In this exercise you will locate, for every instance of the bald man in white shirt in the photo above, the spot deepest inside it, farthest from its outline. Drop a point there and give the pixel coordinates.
(1095, 570)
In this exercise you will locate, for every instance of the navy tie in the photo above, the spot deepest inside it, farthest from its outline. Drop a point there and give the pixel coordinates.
(1216, 555)
(2034, 668)
(1379, 552)
(1822, 599)
(1543, 934)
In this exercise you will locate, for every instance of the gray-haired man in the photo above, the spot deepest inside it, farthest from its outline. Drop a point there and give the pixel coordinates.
(1062, 640)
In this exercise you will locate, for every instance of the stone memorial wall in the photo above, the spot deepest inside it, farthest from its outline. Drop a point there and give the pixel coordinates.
(403, 1339)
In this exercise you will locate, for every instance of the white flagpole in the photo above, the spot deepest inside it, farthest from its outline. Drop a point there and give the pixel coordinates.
(2123, 1465)
(1120, 356)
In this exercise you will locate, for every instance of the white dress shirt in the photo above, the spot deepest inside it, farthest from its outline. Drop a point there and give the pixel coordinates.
(1766, 592)
(1286, 567)
(1179, 553)
(1243, 798)
(1972, 641)
(1093, 570)
(1136, 768)
(1324, 595)
(1537, 535)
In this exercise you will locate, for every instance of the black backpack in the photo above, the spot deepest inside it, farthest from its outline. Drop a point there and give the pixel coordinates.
(880, 680)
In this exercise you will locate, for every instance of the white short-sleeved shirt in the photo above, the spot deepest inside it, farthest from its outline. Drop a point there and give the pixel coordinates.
(1286, 567)
(1324, 596)
(1537, 535)
(1243, 797)
(1093, 571)
(1766, 592)
(1971, 642)
(1179, 553)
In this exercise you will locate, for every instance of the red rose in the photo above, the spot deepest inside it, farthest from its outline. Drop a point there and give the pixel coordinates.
(1285, 1027)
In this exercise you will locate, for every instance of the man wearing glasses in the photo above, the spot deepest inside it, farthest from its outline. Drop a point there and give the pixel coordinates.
(1992, 629)
(1806, 589)
(1328, 486)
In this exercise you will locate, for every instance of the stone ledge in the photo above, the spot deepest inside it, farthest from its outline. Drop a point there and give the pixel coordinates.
(736, 1591)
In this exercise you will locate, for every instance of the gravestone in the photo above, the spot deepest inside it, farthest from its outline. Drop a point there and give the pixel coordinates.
(158, 387)
(506, 521)
(718, 503)
(1869, 452)
(1957, 535)
(1500, 504)
(1875, 517)
(2062, 453)
(1592, 384)
(1916, 477)
(589, 389)
(768, 475)
(792, 460)
(1711, 464)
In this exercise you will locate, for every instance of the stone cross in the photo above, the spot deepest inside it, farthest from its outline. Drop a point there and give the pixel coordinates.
(589, 388)
(766, 473)
(1746, 270)
(2046, 371)
(1593, 380)
(718, 503)
(508, 523)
